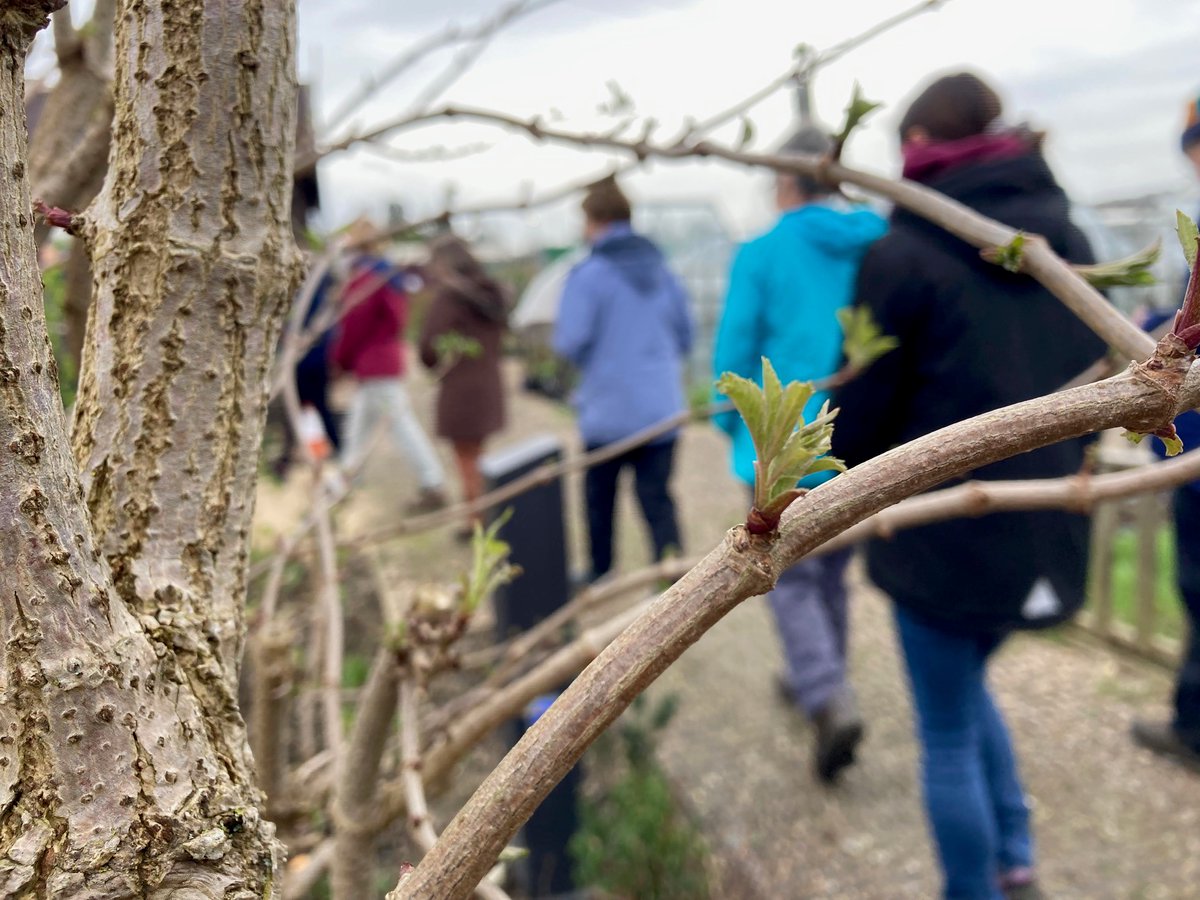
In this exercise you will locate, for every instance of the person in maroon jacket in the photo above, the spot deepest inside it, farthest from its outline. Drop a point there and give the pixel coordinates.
(369, 346)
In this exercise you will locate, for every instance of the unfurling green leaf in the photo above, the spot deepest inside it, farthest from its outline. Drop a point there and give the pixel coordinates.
(453, 346)
(858, 109)
(1168, 436)
(1188, 235)
(618, 102)
(863, 340)
(1134, 437)
(489, 564)
(1132, 271)
(1010, 255)
(787, 448)
(747, 134)
(1173, 444)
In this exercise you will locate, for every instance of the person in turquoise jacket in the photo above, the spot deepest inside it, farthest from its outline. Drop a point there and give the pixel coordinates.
(784, 292)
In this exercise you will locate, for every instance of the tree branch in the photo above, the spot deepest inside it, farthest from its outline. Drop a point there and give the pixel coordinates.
(419, 825)
(743, 567)
(67, 43)
(99, 40)
(482, 31)
(1037, 260)
(802, 69)
(456, 734)
(806, 68)
(356, 782)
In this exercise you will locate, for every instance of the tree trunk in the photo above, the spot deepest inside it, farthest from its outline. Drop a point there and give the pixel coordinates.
(124, 770)
(77, 301)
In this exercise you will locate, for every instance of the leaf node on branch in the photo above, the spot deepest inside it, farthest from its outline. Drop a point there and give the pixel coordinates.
(787, 447)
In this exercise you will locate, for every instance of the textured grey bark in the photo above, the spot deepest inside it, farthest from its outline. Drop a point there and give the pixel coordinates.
(123, 763)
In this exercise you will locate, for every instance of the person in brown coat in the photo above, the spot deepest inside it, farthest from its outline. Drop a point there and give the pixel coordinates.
(460, 340)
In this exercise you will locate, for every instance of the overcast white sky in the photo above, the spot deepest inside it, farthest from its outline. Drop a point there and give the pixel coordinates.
(1108, 81)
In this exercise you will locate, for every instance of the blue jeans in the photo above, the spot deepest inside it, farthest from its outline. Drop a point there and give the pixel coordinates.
(1187, 545)
(973, 795)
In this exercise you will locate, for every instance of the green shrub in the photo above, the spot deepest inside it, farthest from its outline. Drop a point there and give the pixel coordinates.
(633, 842)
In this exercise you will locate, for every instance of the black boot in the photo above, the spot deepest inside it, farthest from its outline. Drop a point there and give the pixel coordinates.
(839, 729)
(1164, 740)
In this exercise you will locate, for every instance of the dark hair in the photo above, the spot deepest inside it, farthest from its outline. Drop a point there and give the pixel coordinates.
(450, 253)
(452, 264)
(605, 203)
(809, 140)
(953, 107)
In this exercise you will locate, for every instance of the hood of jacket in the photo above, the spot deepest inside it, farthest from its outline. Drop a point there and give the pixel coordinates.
(844, 232)
(636, 260)
(1019, 191)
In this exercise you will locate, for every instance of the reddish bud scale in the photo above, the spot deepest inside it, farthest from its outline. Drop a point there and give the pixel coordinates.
(759, 523)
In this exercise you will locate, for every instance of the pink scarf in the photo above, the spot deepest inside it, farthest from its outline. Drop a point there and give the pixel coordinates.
(925, 161)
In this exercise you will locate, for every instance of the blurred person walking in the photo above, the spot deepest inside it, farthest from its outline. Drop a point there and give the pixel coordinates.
(313, 376)
(1179, 737)
(785, 289)
(369, 345)
(461, 341)
(973, 337)
(625, 324)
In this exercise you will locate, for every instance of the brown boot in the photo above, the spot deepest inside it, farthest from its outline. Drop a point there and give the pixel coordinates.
(839, 729)
(1165, 741)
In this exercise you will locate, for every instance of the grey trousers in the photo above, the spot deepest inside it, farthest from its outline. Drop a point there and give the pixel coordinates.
(809, 604)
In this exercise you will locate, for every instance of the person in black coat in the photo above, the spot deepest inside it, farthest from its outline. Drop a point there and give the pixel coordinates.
(973, 337)
(1179, 737)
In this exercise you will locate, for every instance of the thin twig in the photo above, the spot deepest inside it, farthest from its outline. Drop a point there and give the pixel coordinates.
(1038, 259)
(329, 593)
(334, 626)
(279, 560)
(420, 824)
(357, 778)
(802, 69)
(806, 68)
(481, 31)
(66, 39)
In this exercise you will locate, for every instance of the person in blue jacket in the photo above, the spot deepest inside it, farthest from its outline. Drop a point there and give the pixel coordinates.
(1179, 738)
(784, 292)
(624, 322)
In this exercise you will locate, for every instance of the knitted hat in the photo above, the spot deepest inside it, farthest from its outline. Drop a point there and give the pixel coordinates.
(953, 107)
(808, 140)
(1191, 128)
